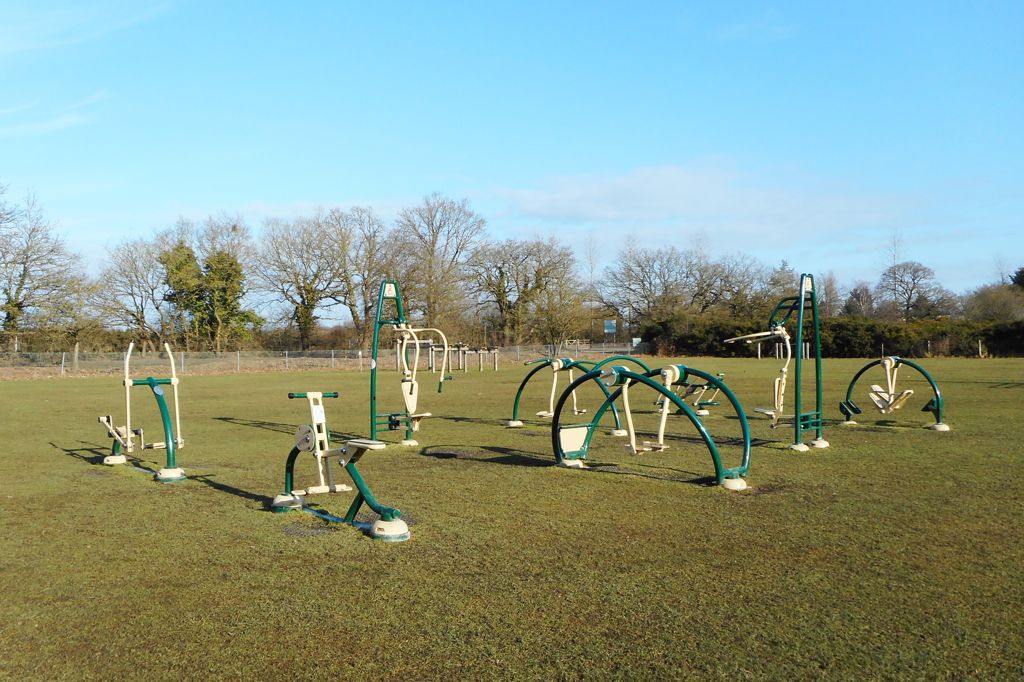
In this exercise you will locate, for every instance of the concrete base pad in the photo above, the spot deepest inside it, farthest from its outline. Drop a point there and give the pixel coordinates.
(115, 459)
(734, 484)
(170, 475)
(619, 432)
(819, 443)
(939, 427)
(285, 503)
(800, 447)
(573, 464)
(395, 530)
(409, 442)
(513, 423)
(849, 422)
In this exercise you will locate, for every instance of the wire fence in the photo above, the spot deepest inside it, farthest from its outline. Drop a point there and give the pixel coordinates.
(156, 363)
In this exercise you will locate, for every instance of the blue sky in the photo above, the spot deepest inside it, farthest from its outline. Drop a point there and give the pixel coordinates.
(811, 132)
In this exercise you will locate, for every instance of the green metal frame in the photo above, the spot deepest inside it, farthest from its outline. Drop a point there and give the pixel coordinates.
(585, 365)
(392, 420)
(784, 309)
(624, 376)
(165, 416)
(935, 405)
(364, 494)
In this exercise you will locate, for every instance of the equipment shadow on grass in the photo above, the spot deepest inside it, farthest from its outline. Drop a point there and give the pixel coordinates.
(281, 427)
(94, 454)
(677, 475)
(208, 480)
(508, 456)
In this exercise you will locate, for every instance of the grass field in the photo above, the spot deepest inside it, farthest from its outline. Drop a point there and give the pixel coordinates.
(896, 553)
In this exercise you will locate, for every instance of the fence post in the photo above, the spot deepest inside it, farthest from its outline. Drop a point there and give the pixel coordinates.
(62, 364)
(182, 362)
(238, 361)
(286, 359)
(332, 358)
(74, 358)
(360, 354)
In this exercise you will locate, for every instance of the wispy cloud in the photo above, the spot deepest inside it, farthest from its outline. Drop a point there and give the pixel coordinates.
(707, 197)
(48, 25)
(61, 117)
(18, 108)
(767, 28)
(42, 127)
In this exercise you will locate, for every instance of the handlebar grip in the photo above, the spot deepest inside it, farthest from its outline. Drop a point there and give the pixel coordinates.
(151, 382)
(329, 394)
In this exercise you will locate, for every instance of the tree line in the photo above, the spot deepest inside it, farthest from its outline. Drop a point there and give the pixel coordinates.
(214, 285)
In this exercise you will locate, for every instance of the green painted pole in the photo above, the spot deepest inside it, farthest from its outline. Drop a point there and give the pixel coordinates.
(165, 415)
(365, 495)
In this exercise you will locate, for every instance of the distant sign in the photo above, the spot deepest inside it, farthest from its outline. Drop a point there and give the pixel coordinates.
(609, 326)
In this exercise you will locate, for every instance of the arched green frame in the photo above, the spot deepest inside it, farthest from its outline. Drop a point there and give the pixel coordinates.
(568, 363)
(935, 405)
(623, 376)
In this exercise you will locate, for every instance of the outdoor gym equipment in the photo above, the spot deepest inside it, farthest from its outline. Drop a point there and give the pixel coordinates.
(124, 436)
(571, 442)
(779, 387)
(806, 300)
(315, 438)
(888, 399)
(567, 365)
(693, 392)
(407, 335)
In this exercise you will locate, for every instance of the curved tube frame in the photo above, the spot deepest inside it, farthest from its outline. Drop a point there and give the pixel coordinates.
(172, 430)
(935, 405)
(587, 365)
(625, 376)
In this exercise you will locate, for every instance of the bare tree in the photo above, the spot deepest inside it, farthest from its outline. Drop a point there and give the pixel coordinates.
(368, 251)
(36, 268)
(745, 286)
(904, 283)
(559, 312)
(644, 280)
(513, 275)
(297, 262)
(132, 290)
(828, 294)
(439, 233)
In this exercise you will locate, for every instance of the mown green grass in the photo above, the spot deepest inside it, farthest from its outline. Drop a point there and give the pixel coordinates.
(895, 553)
